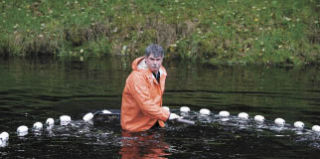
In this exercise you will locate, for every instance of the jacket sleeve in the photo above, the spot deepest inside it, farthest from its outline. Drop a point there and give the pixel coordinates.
(141, 93)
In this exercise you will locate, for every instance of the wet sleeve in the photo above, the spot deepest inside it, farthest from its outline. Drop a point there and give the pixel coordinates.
(141, 93)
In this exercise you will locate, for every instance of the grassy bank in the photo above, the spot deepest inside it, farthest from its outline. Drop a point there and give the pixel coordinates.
(212, 31)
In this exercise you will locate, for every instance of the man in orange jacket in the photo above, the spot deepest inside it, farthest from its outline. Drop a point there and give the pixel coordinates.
(141, 107)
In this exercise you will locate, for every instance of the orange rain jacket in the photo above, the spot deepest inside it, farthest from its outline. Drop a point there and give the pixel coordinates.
(142, 98)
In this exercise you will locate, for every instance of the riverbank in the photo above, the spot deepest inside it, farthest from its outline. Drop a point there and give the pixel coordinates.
(215, 32)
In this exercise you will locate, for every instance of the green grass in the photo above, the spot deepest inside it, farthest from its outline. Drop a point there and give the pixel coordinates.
(280, 32)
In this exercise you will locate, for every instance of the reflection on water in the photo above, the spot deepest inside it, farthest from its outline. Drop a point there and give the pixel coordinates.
(148, 144)
(34, 90)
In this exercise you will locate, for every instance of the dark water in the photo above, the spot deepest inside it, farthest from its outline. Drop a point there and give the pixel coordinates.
(33, 90)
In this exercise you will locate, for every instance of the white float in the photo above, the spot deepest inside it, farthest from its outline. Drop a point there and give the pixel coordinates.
(22, 130)
(184, 109)
(50, 122)
(316, 128)
(298, 124)
(243, 115)
(37, 126)
(4, 136)
(106, 112)
(224, 113)
(166, 108)
(204, 111)
(259, 118)
(87, 117)
(65, 119)
(279, 121)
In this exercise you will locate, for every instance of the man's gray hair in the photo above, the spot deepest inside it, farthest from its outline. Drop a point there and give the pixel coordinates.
(154, 49)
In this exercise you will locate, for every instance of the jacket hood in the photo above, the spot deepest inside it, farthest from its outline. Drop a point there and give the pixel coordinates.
(139, 64)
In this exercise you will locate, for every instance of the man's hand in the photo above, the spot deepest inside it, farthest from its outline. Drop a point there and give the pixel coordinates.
(173, 116)
(166, 108)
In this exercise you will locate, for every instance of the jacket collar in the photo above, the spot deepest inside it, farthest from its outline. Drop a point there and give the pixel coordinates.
(140, 64)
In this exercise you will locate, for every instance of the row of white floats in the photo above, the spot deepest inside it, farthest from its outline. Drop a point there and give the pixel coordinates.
(23, 130)
(244, 116)
(65, 120)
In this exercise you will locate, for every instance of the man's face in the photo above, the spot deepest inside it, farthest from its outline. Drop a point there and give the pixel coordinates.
(154, 63)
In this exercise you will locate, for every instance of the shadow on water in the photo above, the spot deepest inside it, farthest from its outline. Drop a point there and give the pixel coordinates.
(34, 90)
